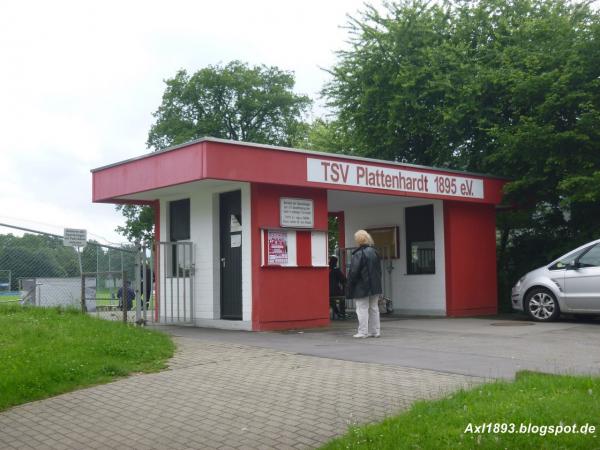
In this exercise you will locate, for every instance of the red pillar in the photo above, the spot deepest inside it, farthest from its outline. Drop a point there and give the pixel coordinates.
(470, 249)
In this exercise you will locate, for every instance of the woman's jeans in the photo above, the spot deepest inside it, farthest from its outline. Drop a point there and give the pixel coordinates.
(367, 310)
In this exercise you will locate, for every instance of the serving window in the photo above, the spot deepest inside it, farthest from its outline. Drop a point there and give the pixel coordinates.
(293, 248)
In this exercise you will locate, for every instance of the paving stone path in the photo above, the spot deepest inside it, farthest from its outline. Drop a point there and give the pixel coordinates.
(222, 396)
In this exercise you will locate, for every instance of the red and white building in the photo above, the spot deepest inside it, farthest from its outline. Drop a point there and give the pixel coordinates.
(243, 231)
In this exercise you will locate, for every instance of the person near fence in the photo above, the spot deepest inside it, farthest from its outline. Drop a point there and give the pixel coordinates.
(146, 290)
(337, 286)
(364, 285)
(129, 296)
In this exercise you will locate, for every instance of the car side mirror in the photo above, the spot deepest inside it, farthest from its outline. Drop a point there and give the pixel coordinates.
(573, 265)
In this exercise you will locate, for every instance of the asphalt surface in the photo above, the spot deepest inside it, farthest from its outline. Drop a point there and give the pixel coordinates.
(494, 347)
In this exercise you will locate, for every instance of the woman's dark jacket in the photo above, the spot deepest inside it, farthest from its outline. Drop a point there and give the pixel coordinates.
(364, 277)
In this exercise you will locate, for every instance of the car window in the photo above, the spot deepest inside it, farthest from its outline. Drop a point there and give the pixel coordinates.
(564, 262)
(591, 258)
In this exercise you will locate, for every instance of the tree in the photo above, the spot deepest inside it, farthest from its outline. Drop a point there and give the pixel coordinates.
(510, 87)
(139, 223)
(36, 256)
(235, 101)
(325, 136)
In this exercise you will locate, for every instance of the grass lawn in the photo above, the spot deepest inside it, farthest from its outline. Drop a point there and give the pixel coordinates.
(4, 299)
(47, 351)
(534, 398)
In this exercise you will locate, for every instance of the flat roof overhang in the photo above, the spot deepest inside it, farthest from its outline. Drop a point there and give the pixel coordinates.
(218, 159)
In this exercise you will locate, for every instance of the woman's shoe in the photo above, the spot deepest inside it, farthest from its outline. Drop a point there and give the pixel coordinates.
(359, 336)
(375, 335)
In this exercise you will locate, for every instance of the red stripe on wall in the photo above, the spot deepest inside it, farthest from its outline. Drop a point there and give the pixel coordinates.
(303, 248)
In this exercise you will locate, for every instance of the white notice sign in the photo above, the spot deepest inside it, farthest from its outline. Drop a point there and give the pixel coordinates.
(296, 212)
(73, 237)
(236, 240)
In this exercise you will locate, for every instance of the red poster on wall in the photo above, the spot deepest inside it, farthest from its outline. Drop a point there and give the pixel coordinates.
(277, 248)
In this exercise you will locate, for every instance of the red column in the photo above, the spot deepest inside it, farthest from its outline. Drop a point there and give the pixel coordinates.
(470, 249)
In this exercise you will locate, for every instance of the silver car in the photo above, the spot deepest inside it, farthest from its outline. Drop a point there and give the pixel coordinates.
(571, 284)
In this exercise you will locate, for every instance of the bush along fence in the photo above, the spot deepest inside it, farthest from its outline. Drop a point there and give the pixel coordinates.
(38, 269)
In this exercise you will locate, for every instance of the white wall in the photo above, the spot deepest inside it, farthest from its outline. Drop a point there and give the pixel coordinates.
(204, 233)
(412, 294)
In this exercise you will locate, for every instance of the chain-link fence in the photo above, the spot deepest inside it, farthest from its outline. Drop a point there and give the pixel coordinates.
(36, 268)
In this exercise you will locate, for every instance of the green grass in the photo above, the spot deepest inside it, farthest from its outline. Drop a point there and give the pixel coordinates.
(535, 398)
(48, 351)
(108, 297)
(4, 299)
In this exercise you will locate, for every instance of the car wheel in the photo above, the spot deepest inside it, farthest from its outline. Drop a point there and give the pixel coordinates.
(541, 305)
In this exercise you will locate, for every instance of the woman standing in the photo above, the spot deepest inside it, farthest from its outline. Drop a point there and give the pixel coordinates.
(364, 285)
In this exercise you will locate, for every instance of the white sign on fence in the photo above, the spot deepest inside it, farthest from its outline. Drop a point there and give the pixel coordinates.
(74, 237)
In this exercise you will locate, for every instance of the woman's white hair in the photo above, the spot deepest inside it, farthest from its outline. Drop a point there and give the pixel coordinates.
(363, 238)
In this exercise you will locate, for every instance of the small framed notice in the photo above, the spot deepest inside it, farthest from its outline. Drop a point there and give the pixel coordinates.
(296, 212)
(386, 239)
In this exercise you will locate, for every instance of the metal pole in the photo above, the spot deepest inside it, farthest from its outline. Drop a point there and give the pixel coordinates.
(83, 305)
(175, 277)
(192, 276)
(138, 299)
(79, 259)
(170, 247)
(97, 267)
(124, 296)
(184, 281)
(144, 286)
(149, 263)
(154, 279)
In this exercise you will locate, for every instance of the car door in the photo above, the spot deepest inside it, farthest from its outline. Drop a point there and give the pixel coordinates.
(582, 282)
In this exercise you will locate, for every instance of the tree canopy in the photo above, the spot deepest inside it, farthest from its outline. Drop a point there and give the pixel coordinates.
(510, 87)
(235, 101)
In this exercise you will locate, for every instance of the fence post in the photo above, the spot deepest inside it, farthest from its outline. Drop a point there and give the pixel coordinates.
(155, 276)
(145, 286)
(138, 288)
(83, 305)
(124, 295)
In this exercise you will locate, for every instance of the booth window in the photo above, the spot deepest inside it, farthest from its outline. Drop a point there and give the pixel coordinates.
(179, 230)
(420, 241)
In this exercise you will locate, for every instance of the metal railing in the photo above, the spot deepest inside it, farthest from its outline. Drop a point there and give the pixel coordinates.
(176, 292)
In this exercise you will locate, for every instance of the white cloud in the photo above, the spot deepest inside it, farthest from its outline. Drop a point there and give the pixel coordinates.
(79, 81)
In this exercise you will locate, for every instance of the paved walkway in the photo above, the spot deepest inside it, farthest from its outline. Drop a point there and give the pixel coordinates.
(225, 395)
(483, 347)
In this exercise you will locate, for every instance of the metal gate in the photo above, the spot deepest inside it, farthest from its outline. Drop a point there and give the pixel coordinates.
(176, 286)
(344, 258)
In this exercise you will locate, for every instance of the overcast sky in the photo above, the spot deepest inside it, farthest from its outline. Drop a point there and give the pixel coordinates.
(80, 79)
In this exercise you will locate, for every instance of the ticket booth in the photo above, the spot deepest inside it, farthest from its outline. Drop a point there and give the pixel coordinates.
(242, 231)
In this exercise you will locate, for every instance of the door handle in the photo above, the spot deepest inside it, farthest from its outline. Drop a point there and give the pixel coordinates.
(223, 262)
